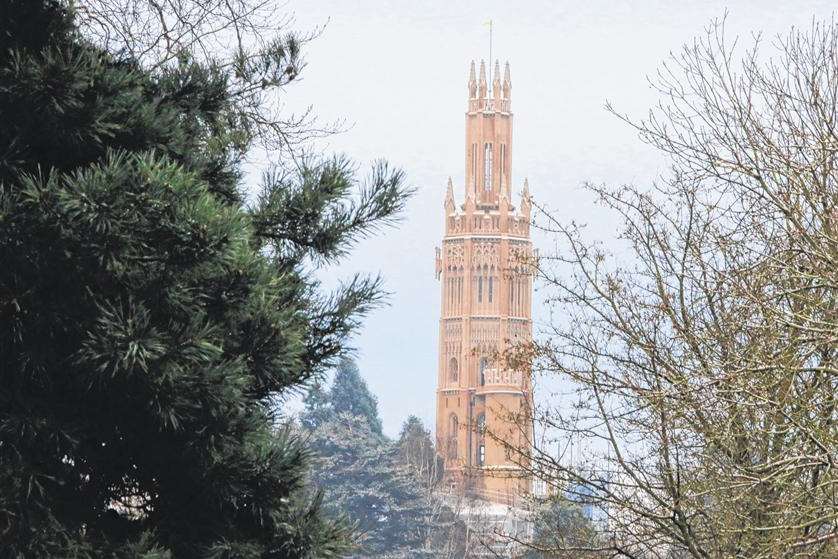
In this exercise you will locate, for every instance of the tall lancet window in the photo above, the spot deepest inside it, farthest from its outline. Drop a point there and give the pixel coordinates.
(491, 288)
(487, 166)
(512, 296)
(474, 165)
(502, 164)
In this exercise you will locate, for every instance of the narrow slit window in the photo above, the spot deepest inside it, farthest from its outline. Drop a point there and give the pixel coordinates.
(491, 288)
(487, 166)
(503, 162)
(512, 296)
(474, 165)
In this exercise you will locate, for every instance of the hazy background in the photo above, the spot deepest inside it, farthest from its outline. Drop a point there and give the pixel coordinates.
(397, 72)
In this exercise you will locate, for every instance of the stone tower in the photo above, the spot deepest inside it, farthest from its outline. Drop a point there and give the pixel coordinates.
(486, 307)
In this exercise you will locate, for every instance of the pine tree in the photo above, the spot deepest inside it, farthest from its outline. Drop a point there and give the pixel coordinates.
(149, 317)
(364, 478)
(351, 395)
(387, 488)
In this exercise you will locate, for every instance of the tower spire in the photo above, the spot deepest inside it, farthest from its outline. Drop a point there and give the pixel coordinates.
(472, 82)
(496, 88)
(450, 205)
(526, 200)
(481, 84)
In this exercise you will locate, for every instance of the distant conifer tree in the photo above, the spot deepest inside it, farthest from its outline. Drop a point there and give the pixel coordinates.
(350, 394)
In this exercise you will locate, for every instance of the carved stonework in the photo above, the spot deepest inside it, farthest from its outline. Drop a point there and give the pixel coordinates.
(485, 336)
(453, 342)
(519, 331)
(485, 254)
(454, 256)
(520, 259)
(505, 377)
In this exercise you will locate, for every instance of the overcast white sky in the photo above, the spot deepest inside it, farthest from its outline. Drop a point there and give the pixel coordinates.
(397, 71)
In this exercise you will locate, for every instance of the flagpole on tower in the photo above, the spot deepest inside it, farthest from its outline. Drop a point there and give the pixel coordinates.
(490, 52)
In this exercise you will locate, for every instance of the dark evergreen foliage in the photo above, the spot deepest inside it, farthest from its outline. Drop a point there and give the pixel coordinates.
(363, 477)
(387, 488)
(148, 317)
(348, 394)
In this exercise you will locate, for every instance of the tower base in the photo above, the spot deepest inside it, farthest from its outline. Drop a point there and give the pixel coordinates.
(500, 485)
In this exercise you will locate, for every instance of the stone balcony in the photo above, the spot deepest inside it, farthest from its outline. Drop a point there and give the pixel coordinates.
(501, 379)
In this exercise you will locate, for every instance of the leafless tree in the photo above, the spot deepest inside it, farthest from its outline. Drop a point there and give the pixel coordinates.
(451, 530)
(703, 356)
(252, 42)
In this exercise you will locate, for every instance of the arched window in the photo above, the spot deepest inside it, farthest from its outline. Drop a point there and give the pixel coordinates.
(502, 163)
(481, 424)
(480, 288)
(474, 164)
(484, 273)
(453, 370)
(481, 455)
(512, 297)
(484, 363)
(491, 288)
(453, 427)
(487, 169)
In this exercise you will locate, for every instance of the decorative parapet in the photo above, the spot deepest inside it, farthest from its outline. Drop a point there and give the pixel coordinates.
(503, 377)
(489, 105)
(482, 223)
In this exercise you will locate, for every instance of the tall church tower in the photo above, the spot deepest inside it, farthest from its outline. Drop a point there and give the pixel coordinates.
(482, 428)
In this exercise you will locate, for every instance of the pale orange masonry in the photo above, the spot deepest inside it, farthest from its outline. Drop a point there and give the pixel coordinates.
(482, 425)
